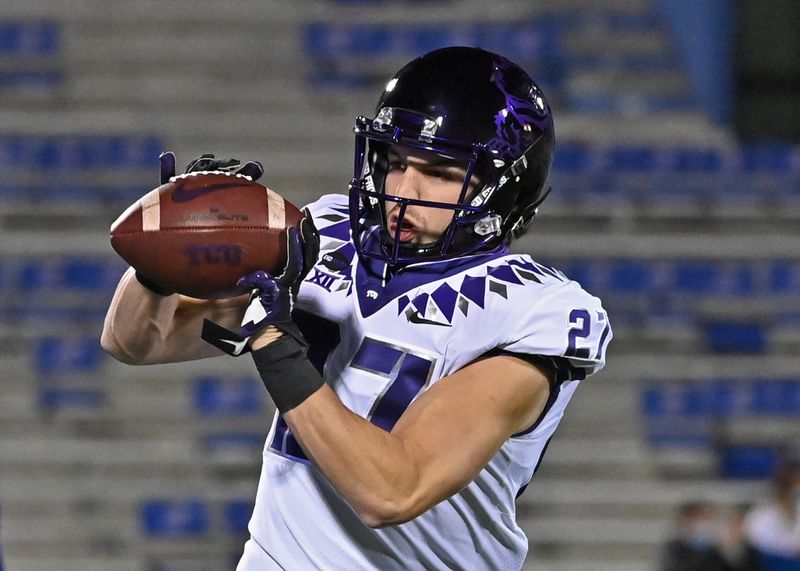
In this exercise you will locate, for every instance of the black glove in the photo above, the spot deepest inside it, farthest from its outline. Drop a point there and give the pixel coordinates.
(271, 298)
(207, 162)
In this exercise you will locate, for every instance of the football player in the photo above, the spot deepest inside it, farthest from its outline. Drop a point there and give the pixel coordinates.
(419, 369)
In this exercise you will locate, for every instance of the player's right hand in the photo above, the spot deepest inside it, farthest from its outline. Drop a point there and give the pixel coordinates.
(208, 162)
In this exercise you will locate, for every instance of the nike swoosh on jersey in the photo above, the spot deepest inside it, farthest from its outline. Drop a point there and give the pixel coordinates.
(181, 194)
(414, 317)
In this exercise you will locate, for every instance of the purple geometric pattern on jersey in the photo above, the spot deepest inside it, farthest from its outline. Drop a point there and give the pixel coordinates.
(420, 303)
(402, 303)
(499, 289)
(338, 230)
(340, 260)
(511, 138)
(474, 289)
(505, 273)
(445, 298)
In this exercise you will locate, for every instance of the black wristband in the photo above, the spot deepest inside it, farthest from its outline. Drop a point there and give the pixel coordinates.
(155, 288)
(289, 376)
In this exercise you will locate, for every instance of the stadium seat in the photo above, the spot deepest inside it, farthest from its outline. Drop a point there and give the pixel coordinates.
(697, 277)
(630, 277)
(775, 397)
(735, 337)
(625, 159)
(29, 38)
(573, 158)
(749, 461)
(174, 518)
(55, 275)
(685, 160)
(29, 51)
(214, 396)
(237, 515)
(784, 276)
(771, 158)
(78, 152)
(54, 355)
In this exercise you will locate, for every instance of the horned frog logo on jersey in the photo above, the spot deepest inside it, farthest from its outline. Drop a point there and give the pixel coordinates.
(439, 306)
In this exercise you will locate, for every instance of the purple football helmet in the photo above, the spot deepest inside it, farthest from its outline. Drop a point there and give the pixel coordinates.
(466, 104)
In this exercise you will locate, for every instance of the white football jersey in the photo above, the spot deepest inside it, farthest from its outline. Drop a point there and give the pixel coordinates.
(380, 343)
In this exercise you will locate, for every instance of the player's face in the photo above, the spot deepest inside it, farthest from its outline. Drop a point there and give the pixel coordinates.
(422, 176)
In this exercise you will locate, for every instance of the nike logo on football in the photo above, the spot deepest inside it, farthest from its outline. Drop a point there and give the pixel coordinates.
(181, 194)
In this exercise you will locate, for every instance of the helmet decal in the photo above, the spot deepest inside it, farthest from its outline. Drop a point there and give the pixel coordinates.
(513, 122)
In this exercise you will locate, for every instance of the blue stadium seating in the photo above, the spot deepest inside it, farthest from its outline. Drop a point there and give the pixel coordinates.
(175, 518)
(54, 355)
(693, 414)
(73, 158)
(82, 274)
(54, 291)
(342, 54)
(64, 367)
(685, 280)
(742, 337)
(327, 41)
(28, 52)
(749, 461)
(722, 398)
(28, 38)
(214, 396)
(237, 515)
(775, 159)
(78, 152)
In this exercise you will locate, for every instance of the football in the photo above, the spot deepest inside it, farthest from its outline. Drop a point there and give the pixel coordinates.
(200, 232)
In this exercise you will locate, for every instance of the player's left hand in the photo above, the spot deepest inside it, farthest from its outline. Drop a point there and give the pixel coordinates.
(272, 298)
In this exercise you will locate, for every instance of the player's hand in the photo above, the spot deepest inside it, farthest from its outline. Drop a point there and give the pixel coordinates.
(272, 298)
(207, 162)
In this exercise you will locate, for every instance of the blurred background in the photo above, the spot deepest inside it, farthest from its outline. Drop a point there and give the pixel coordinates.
(676, 199)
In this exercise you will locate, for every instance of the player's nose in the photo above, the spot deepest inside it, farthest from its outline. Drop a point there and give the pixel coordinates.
(409, 183)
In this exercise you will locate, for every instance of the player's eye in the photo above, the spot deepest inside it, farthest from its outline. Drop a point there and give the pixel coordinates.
(395, 164)
(446, 173)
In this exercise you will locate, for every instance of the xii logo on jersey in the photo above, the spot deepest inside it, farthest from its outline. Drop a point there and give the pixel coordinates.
(323, 279)
(332, 273)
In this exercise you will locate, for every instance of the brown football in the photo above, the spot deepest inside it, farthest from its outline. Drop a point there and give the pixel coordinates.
(200, 232)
